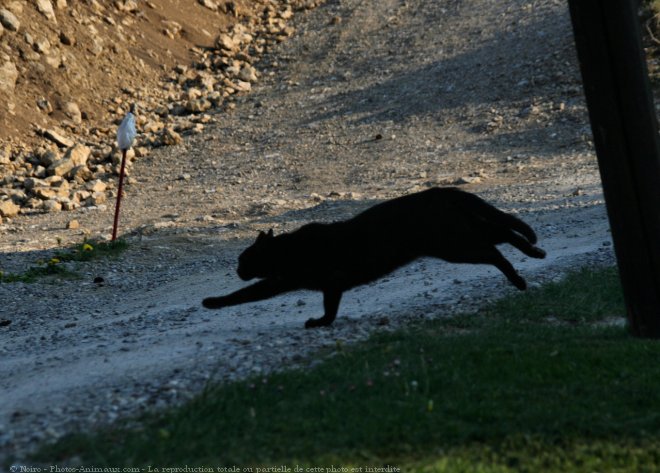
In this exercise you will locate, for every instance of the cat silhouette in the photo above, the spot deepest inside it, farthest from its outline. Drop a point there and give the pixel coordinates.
(445, 223)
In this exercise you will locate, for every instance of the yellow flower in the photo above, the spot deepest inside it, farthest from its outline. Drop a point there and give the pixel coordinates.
(87, 247)
(54, 261)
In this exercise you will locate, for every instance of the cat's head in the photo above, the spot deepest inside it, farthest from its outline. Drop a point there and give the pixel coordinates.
(256, 260)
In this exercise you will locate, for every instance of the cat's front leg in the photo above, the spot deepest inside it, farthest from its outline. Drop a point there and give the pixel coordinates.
(258, 291)
(331, 299)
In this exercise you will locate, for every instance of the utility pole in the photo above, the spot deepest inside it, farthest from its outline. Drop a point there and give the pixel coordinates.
(625, 131)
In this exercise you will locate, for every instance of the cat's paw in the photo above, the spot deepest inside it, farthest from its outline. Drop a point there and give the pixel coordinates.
(320, 322)
(214, 302)
(538, 252)
(519, 282)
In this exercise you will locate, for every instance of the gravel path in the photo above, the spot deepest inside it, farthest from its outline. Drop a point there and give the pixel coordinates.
(369, 100)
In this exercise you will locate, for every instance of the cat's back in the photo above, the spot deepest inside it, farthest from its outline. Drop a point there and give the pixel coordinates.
(415, 207)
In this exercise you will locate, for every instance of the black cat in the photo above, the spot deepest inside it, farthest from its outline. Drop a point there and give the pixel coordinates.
(446, 223)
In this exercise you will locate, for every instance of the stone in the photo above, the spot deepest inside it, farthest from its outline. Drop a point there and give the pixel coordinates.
(8, 76)
(9, 20)
(224, 41)
(79, 154)
(80, 174)
(198, 106)
(128, 6)
(41, 45)
(45, 7)
(45, 105)
(8, 209)
(96, 186)
(2, 30)
(57, 137)
(97, 198)
(45, 193)
(69, 204)
(72, 111)
(48, 158)
(467, 180)
(60, 167)
(169, 137)
(60, 4)
(5, 155)
(73, 224)
(67, 38)
(242, 86)
(248, 73)
(32, 182)
(210, 4)
(52, 205)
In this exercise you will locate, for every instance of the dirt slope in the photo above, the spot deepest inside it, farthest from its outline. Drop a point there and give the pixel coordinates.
(369, 99)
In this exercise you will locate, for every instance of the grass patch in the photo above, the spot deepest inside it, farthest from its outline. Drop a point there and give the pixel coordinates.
(531, 383)
(86, 251)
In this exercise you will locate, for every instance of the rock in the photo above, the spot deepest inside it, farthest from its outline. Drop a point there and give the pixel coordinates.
(72, 111)
(2, 30)
(169, 137)
(51, 205)
(128, 6)
(242, 86)
(467, 180)
(8, 209)
(45, 7)
(96, 186)
(210, 4)
(45, 105)
(5, 155)
(97, 198)
(31, 182)
(67, 38)
(198, 106)
(49, 157)
(80, 174)
(8, 76)
(73, 224)
(248, 73)
(60, 4)
(226, 42)
(47, 193)
(60, 167)
(172, 29)
(9, 20)
(79, 154)
(57, 137)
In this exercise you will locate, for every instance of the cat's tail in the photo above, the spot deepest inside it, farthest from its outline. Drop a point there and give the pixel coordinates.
(479, 206)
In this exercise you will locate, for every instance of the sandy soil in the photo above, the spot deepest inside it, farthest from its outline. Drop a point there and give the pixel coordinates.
(370, 99)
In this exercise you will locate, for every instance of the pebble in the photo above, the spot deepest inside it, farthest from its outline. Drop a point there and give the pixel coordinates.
(9, 20)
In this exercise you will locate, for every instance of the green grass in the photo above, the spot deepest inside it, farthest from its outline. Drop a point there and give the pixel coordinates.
(531, 383)
(86, 251)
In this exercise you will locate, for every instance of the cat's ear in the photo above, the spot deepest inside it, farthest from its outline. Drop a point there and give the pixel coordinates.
(264, 236)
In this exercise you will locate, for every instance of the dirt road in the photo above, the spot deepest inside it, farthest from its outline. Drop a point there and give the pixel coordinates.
(370, 99)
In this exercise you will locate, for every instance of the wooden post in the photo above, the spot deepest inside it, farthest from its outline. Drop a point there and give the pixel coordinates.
(625, 130)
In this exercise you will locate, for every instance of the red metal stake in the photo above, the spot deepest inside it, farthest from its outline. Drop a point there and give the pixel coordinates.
(119, 193)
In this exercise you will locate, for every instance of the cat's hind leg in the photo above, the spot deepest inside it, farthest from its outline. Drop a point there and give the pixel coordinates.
(487, 255)
(331, 299)
(508, 236)
(494, 257)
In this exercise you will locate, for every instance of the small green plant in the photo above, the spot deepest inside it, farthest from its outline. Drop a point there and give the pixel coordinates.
(85, 251)
(91, 250)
